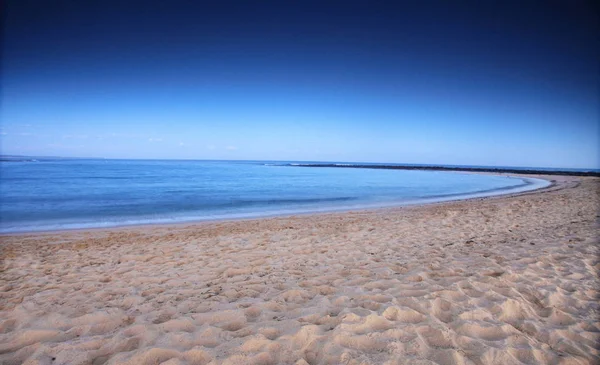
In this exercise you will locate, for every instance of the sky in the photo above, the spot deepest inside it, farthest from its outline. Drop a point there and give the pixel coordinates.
(497, 83)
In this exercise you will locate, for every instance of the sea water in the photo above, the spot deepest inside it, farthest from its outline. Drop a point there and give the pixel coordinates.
(67, 194)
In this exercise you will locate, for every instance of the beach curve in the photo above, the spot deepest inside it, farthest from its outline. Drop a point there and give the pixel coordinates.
(502, 280)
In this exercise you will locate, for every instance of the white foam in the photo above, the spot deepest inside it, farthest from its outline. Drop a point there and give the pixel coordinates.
(530, 184)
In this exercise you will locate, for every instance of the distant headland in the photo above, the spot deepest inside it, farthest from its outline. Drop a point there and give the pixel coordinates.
(530, 171)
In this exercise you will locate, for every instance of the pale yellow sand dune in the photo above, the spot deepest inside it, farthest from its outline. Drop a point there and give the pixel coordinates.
(510, 280)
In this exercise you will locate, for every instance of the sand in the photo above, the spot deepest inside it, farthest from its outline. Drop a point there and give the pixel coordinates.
(504, 280)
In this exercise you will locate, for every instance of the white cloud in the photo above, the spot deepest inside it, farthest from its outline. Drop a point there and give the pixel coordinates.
(62, 146)
(75, 136)
(155, 139)
(210, 147)
(181, 144)
(231, 148)
(128, 135)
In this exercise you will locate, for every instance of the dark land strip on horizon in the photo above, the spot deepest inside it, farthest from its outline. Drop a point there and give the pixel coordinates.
(447, 168)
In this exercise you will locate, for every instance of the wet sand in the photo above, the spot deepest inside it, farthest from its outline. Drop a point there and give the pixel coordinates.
(502, 280)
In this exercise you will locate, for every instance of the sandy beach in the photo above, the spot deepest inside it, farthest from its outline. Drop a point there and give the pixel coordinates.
(501, 280)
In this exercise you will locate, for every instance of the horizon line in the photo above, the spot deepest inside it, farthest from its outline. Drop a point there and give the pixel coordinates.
(275, 160)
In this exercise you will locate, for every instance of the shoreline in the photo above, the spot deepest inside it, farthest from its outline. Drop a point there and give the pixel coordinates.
(427, 201)
(497, 280)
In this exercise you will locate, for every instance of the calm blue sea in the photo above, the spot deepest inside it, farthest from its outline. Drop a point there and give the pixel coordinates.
(66, 194)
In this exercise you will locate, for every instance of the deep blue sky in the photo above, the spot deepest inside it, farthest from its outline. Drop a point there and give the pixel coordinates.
(450, 82)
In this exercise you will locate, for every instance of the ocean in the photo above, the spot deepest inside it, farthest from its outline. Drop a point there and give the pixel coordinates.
(54, 194)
